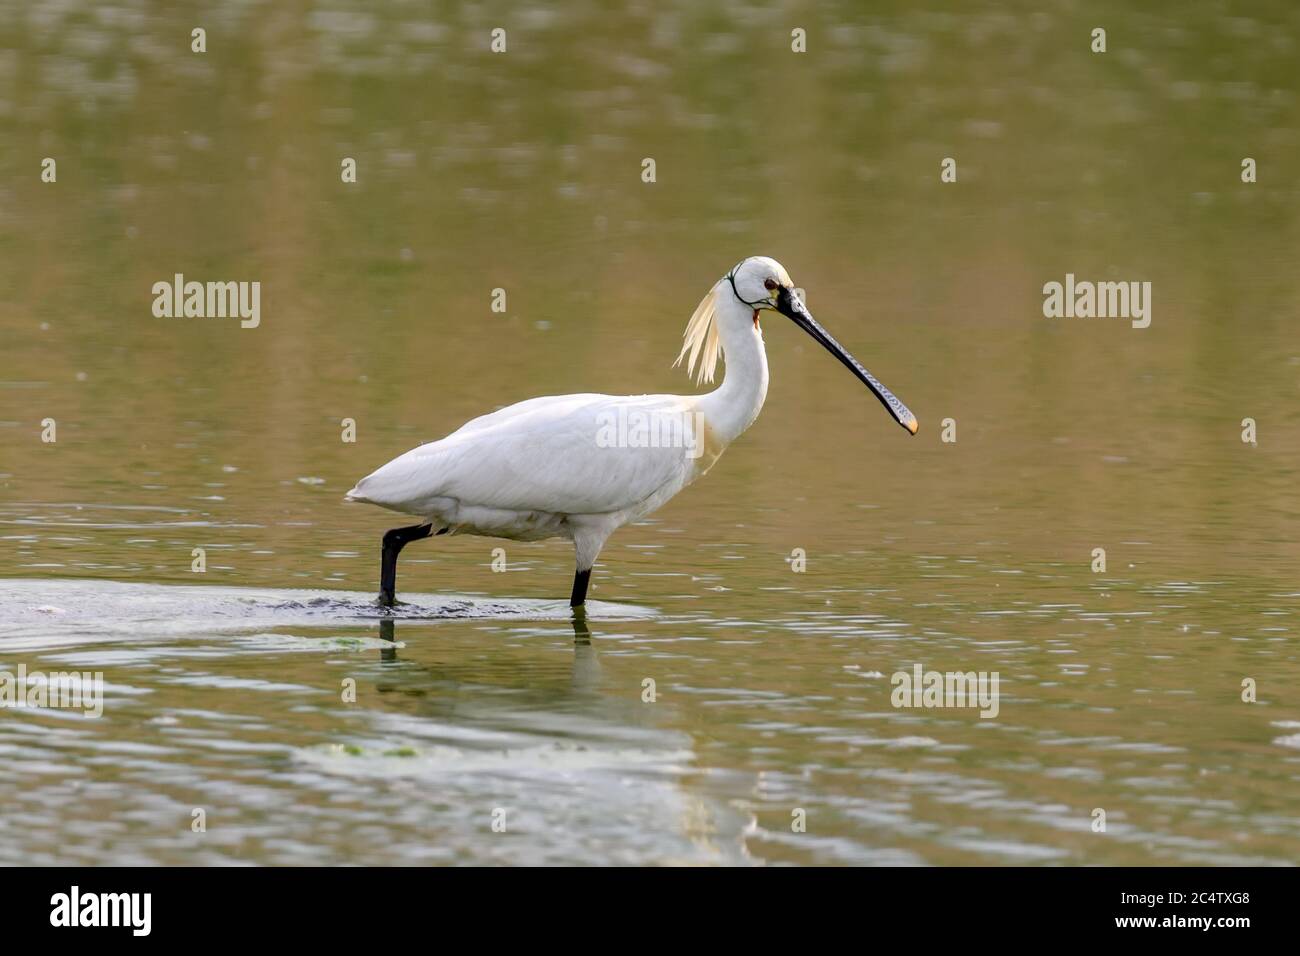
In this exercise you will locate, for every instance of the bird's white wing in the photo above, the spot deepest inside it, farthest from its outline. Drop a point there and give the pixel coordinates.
(567, 454)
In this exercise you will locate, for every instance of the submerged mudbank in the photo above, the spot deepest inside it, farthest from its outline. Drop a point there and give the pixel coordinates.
(87, 606)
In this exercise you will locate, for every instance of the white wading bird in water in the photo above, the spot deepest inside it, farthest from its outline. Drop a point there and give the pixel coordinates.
(569, 466)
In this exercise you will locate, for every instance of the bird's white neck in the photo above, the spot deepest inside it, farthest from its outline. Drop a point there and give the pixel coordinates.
(733, 406)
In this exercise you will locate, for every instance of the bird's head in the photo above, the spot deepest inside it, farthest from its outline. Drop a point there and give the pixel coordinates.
(763, 285)
(757, 282)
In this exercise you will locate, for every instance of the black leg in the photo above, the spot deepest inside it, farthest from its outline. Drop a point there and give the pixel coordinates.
(394, 542)
(580, 588)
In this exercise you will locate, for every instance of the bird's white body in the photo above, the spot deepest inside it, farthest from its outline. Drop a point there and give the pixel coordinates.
(578, 466)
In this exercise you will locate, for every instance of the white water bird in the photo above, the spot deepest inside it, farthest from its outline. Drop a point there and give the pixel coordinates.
(582, 466)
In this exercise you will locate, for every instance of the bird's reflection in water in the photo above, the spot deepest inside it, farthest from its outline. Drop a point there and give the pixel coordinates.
(581, 633)
(387, 633)
(586, 662)
(586, 665)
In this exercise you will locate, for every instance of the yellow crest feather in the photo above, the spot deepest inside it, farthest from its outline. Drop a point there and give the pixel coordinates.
(701, 338)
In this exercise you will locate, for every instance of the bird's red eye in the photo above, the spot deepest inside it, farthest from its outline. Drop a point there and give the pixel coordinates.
(769, 284)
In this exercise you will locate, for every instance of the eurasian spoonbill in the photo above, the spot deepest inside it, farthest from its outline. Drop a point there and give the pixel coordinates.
(582, 466)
